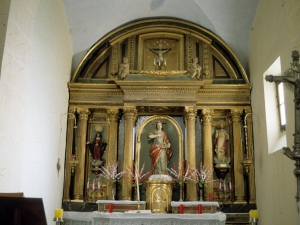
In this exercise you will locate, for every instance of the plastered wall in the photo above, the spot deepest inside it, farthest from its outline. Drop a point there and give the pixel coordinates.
(33, 98)
(275, 33)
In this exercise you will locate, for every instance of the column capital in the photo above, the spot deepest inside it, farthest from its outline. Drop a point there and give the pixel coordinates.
(190, 113)
(206, 116)
(83, 112)
(236, 114)
(130, 111)
(113, 115)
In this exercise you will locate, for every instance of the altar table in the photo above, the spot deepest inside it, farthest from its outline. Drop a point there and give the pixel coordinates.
(104, 218)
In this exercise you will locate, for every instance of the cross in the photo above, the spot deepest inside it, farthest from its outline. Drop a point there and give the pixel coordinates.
(293, 79)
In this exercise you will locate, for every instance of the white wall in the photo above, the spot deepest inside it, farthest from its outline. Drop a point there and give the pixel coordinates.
(275, 33)
(33, 96)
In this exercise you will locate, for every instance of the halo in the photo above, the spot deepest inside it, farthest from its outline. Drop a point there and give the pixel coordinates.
(98, 128)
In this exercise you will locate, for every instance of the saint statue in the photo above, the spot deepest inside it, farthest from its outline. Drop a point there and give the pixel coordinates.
(221, 138)
(195, 68)
(124, 68)
(160, 150)
(97, 147)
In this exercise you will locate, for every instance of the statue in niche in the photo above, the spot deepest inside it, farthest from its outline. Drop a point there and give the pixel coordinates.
(195, 69)
(97, 148)
(124, 68)
(160, 61)
(220, 142)
(160, 150)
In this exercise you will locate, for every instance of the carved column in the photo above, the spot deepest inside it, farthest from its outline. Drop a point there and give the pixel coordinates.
(190, 119)
(238, 156)
(69, 145)
(80, 154)
(207, 154)
(251, 179)
(130, 114)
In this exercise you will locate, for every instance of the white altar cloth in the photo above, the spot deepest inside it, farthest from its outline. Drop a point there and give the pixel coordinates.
(194, 203)
(104, 218)
(120, 202)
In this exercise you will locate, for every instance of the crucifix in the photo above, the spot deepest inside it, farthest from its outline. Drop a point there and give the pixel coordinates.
(292, 76)
(160, 61)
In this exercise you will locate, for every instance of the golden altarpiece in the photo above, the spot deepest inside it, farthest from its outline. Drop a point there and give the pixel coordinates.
(164, 70)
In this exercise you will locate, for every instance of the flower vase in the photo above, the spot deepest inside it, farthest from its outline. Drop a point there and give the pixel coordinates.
(180, 191)
(113, 190)
(201, 194)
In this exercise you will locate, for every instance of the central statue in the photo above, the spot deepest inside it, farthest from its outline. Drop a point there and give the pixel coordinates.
(160, 150)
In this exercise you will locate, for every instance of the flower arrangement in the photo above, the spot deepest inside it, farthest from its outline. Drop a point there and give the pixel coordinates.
(110, 172)
(138, 176)
(202, 176)
(180, 175)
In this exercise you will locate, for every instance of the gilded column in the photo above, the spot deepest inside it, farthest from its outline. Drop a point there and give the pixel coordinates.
(190, 119)
(130, 114)
(207, 152)
(80, 154)
(113, 118)
(69, 146)
(251, 179)
(238, 156)
(112, 145)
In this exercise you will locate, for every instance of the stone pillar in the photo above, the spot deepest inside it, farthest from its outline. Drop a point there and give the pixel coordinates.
(190, 119)
(238, 156)
(69, 146)
(251, 178)
(130, 114)
(80, 154)
(207, 152)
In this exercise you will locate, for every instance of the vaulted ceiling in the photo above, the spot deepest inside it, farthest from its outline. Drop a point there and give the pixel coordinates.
(90, 20)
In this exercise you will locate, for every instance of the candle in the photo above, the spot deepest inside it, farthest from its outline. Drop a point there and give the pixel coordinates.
(253, 214)
(88, 184)
(154, 61)
(220, 187)
(58, 213)
(211, 196)
(165, 61)
(133, 131)
(200, 209)
(224, 186)
(94, 184)
(137, 184)
(99, 185)
(181, 209)
(110, 208)
(230, 187)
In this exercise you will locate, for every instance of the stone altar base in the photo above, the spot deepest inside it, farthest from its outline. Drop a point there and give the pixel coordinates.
(120, 206)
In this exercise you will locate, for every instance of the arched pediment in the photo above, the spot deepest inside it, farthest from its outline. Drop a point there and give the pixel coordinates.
(140, 42)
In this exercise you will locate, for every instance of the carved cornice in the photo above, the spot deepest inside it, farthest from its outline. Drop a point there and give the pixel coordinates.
(103, 92)
(223, 93)
(160, 90)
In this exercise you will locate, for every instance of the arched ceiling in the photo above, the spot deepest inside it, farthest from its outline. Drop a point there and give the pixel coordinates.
(90, 20)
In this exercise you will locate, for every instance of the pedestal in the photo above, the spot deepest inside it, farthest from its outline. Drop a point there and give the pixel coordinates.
(159, 195)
